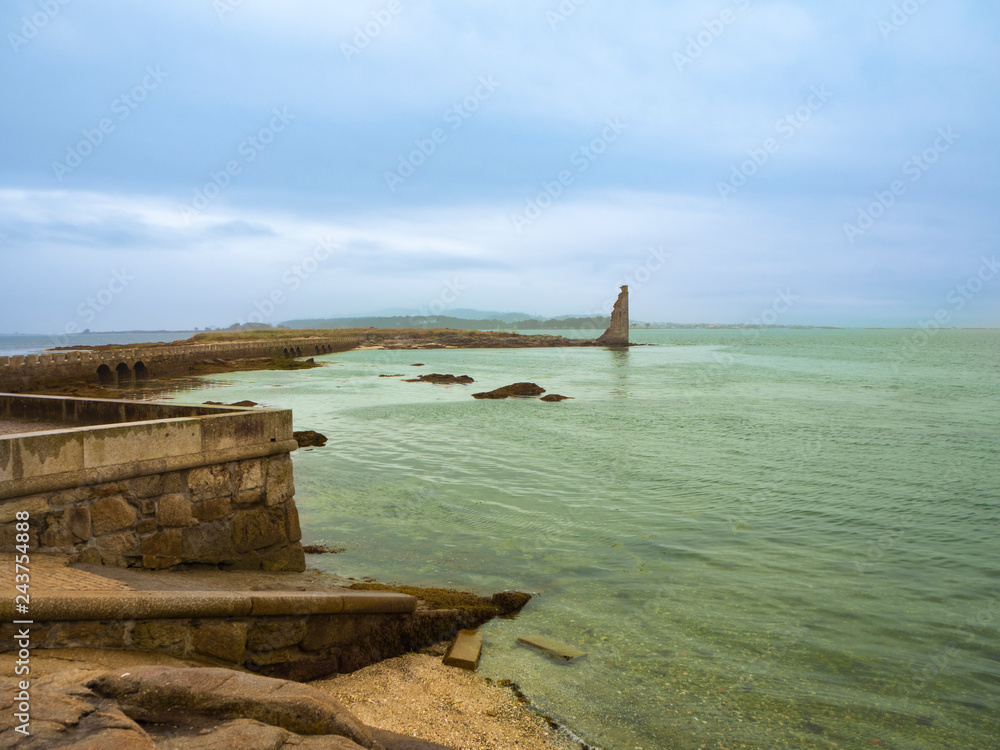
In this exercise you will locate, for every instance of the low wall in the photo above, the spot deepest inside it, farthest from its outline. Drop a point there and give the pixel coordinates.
(165, 485)
(130, 363)
(292, 636)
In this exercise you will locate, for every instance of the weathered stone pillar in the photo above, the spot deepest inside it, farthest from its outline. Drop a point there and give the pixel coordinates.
(617, 333)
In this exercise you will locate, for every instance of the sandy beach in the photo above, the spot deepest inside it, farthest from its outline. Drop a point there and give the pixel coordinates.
(417, 695)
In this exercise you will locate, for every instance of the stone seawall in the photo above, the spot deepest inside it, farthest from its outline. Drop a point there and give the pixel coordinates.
(135, 363)
(296, 647)
(152, 486)
(235, 515)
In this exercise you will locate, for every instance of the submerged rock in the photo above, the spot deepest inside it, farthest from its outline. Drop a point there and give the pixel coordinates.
(436, 377)
(512, 390)
(321, 549)
(554, 397)
(308, 438)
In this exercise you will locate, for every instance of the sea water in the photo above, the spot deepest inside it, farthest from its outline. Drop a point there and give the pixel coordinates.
(762, 538)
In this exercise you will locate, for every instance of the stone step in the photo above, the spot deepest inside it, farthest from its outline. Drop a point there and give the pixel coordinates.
(465, 650)
(552, 647)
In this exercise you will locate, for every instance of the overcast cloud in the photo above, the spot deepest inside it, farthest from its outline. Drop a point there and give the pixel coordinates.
(203, 157)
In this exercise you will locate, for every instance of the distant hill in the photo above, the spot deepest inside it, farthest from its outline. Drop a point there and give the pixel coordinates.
(454, 312)
(448, 321)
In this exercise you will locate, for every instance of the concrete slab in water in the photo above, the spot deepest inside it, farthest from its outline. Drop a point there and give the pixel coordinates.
(553, 648)
(465, 650)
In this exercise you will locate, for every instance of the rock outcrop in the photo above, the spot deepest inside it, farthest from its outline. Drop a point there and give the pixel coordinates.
(309, 438)
(154, 707)
(554, 397)
(617, 333)
(514, 389)
(439, 379)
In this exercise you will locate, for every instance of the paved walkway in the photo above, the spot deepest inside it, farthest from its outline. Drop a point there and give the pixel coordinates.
(49, 573)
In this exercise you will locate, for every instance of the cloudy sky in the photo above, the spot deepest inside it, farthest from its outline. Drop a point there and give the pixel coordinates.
(198, 162)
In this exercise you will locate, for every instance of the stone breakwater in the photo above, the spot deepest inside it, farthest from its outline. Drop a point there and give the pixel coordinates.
(116, 366)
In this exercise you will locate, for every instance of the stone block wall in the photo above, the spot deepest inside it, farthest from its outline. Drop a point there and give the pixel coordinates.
(294, 647)
(237, 515)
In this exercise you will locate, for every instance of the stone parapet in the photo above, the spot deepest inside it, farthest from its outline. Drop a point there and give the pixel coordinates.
(187, 485)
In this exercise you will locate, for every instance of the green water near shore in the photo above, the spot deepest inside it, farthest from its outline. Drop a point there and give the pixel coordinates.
(775, 539)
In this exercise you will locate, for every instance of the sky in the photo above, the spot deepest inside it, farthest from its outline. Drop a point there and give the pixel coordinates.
(204, 162)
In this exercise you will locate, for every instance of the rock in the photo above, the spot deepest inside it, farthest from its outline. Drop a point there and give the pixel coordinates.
(554, 397)
(509, 602)
(307, 438)
(440, 379)
(174, 510)
(515, 389)
(391, 376)
(321, 549)
(166, 708)
(247, 403)
(173, 695)
(111, 514)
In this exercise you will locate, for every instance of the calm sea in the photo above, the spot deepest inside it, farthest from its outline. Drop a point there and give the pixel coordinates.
(763, 539)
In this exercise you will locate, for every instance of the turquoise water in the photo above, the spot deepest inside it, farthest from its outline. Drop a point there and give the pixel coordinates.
(764, 539)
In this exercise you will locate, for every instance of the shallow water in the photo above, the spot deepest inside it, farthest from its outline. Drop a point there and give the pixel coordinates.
(763, 539)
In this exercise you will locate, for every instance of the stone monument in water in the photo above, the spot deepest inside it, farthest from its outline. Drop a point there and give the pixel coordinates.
(617, 333)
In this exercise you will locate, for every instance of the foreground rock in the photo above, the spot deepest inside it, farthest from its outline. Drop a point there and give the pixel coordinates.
(156, 707)
(438, 378)
(308, 438)
(512, 390)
